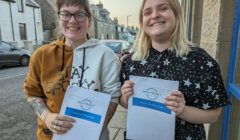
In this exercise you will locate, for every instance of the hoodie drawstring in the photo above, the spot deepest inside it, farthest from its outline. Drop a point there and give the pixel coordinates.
(83, 65)
(62, 58)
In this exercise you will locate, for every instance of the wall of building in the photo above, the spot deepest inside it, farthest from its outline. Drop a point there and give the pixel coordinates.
(5, 21)
(105, 30)
(12, 35)
(49, 18)
(211, 29)
(34, 30)
(210, 26)
(48, 13)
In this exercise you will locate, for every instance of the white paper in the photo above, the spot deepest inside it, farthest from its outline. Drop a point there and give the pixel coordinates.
(148, 118)
(88, 108)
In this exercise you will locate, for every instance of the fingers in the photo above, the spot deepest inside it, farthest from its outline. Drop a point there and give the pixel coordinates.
(127, 88)
(63, 123)
(59, 124)
(127, 91)
(176, 102)
(172, 103)
(175, 95)
(60, 129)
(65, 118)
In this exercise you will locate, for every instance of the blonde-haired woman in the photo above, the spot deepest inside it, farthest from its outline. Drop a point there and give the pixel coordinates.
(163, 51)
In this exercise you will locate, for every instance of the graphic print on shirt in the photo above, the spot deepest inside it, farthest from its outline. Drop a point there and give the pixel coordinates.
(77, 74)
(59, 85)
(88, 84)
(199, 80)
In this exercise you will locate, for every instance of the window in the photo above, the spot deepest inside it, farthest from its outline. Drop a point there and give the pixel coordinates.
(22, 30)
(20, 5)
(115, 46)
(4, 46)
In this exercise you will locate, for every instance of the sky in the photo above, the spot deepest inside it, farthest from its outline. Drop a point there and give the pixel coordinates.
(121, 9)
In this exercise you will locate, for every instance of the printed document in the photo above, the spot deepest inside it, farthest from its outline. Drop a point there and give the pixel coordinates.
(88, 108)
(148, 117)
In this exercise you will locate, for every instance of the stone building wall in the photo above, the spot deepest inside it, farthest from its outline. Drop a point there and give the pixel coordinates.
(215, 19)
(210, 26)
(49, 18)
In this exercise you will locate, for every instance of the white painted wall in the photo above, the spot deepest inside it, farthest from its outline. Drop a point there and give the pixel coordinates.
(5, 21)
(27, 17)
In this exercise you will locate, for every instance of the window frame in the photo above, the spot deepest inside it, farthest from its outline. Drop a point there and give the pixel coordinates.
(24, 35)
(20, 6)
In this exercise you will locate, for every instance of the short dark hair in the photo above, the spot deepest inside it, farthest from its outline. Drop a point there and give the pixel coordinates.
(81, 3)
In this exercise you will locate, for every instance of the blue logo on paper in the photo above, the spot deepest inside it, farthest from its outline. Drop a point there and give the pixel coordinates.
(86, 104)
(152, 93)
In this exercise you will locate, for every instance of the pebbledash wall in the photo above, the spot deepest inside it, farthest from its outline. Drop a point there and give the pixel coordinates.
(210, 26)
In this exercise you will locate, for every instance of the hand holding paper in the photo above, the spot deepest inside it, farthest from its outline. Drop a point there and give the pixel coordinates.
(89, 109)
(176, 102)
(148, 116)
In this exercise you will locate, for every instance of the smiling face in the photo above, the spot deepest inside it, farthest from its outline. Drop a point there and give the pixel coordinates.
(158, 19)
(73, 30)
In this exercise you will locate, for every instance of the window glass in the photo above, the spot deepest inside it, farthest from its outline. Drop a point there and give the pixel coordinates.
(115, 46)
(4, 46)
(127, 45)
(22, 30)
(20, 5)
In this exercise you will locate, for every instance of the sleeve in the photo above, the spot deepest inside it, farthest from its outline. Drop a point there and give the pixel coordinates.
(32, 84)
(110, 79)
(124, 74)
(213, 93)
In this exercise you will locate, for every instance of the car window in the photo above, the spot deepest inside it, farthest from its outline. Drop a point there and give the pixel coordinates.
(126, 46)
(115, 46)
(4, 46)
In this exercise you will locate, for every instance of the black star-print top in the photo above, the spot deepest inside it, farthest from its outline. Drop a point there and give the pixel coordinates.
(199, 80)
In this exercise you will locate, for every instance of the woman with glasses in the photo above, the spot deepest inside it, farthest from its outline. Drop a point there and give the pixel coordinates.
(163, 51)
(74, 60)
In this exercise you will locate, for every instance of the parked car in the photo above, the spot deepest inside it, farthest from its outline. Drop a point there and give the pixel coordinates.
(120, 47)
(12, 55)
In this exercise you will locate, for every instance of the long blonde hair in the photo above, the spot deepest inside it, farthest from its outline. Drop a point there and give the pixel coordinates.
(178, 38)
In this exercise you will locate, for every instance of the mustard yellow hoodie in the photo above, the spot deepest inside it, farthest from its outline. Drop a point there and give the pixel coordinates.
(48, 77)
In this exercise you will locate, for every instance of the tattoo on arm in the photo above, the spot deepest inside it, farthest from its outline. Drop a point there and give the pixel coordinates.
(39, 106)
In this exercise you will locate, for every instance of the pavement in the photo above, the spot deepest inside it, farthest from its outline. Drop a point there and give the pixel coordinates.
(118, 124)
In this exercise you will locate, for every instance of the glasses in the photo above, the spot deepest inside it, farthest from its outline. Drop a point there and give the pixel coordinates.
(66, 16)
